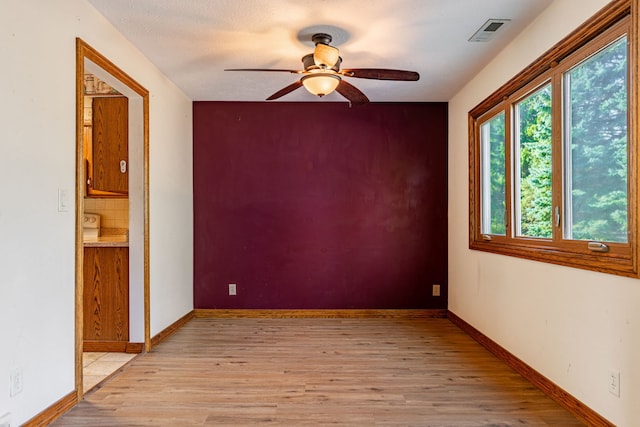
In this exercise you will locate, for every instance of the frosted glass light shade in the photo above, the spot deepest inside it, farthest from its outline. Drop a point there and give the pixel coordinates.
(321, 84)
(325, 56)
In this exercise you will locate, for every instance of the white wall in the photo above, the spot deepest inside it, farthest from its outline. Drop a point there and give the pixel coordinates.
(570, 325)
(37, 157)
(171, 201)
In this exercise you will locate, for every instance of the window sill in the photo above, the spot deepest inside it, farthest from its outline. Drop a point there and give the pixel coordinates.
(610, 263)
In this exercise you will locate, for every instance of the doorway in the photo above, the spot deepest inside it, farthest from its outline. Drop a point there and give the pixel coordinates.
(89, 61)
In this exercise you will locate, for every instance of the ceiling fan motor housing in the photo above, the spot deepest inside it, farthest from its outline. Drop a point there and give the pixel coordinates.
(322, 38)
(309, 63)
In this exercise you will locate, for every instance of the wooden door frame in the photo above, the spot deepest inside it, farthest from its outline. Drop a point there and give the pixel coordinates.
(84, 51)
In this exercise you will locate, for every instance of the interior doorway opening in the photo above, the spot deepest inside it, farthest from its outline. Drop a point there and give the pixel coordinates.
(137, 335)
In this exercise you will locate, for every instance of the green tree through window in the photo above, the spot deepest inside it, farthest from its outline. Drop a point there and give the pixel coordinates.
(534, 135)
(597, 107)
(493, 142)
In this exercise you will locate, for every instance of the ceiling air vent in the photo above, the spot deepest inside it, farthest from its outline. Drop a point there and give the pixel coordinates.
(488, 30)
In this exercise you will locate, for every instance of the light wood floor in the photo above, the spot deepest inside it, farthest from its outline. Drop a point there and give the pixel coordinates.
(98, 366)
(318, 372)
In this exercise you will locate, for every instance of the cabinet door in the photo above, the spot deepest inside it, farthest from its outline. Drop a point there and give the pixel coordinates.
(106, 294)
(110, 145)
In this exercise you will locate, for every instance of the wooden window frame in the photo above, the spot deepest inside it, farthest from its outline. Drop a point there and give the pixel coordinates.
(622, 257)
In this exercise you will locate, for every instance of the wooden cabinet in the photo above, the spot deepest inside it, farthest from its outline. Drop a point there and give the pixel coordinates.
(107, 147)
(106, 298)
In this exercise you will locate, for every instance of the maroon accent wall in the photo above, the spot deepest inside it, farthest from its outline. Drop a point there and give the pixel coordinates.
(320, 206)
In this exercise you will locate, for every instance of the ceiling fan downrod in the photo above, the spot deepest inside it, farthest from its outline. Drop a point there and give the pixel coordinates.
(322, 38)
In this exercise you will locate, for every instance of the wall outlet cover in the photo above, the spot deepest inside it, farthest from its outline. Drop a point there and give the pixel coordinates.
(16, 382)
(435, 290)
(614, 382)
(5, 420)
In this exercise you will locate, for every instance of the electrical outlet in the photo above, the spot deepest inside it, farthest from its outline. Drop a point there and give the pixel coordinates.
(614, 382)
(5, 420)
(16, 382)
(435, 290)
(232, 289)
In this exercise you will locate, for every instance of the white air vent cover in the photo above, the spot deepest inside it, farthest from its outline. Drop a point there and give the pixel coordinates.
(488, 30)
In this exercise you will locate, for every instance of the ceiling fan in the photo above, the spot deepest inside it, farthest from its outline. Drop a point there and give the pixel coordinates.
(322, 74)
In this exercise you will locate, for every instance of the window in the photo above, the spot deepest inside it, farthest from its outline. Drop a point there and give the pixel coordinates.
(596, 129)
(532, 121)
(493, 181)
(553, 152)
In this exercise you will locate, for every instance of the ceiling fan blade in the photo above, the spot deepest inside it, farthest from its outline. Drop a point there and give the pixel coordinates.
(293, 86)
(265, 69)
(381, 74)
(352, 93)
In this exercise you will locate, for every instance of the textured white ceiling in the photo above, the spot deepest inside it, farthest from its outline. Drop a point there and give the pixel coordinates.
(193, 41)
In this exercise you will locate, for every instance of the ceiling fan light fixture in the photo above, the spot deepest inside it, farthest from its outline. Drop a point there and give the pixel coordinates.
(325, 56)
(321, 84)
(322, 74)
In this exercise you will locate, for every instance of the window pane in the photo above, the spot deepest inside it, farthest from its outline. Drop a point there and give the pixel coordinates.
(492, 158)
(533, 165)
(596, 147)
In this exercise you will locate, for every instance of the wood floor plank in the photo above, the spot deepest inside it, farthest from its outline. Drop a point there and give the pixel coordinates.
(318, 372)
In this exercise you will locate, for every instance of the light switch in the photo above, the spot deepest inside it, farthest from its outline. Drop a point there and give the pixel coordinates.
(63, 200)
